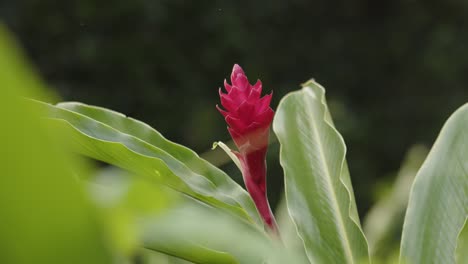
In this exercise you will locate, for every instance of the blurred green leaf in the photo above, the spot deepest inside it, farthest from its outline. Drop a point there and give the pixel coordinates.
(129, 204)
(124, 200)
(203, 235)
(462, 245)
(384, 221)
(163, 220)
(318, 188)
(438, 204)
(113, 138)
(288, 231)
(44, 214)
(152, 257)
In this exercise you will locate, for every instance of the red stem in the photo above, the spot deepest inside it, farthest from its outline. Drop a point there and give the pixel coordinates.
(254, 173)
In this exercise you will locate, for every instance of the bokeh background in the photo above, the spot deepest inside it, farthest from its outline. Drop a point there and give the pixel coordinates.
(394, 70)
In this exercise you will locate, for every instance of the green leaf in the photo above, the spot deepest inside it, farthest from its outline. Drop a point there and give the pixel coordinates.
(153, 257)
(203, 235)
(130, 144)
(318, 188)
(186, 229)
(130, 204)
(462, 245)
(45, 216)
(123, 200)
(438, 204)
(288, 231)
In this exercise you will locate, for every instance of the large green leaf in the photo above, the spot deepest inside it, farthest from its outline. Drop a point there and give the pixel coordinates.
(438, 204)
(113, 138)
(318, 188)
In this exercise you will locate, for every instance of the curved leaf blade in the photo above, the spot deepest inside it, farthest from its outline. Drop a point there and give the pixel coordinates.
(318, 188)
(438, 204)
(113, 138)
(224, 184)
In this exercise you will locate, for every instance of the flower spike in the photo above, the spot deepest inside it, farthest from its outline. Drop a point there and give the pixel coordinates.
(249, 117)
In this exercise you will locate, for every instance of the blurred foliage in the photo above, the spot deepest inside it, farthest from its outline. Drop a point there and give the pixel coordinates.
(124, 200)
(395, 70)
(461, 253)
(384, 222)
(45, 215)
(289, 235)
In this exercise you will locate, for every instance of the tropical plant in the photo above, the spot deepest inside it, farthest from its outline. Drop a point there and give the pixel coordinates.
(162, 203)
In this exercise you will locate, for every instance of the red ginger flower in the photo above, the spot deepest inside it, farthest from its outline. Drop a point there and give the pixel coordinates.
(249, 118)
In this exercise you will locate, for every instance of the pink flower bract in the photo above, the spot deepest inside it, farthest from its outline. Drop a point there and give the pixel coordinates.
(248, 115)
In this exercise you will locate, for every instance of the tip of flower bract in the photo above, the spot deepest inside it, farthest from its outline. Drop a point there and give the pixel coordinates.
(258, 85)
(227, 86)
(236, 67)
(237, 72)
(224, 113)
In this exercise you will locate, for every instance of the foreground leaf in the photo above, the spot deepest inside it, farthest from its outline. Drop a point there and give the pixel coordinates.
(165, 221)
(462, 245)
(202, 235)
(152, 257)
(289, 234)
(45, 216)
(438, 204)
(318, 188)
(113, 138)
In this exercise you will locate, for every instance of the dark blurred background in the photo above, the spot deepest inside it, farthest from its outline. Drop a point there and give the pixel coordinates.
(394, 70)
